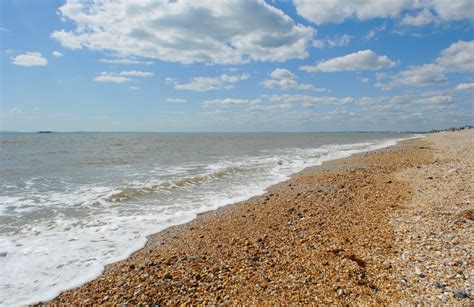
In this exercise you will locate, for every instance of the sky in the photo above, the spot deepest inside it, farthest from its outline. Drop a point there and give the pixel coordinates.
(236, 66)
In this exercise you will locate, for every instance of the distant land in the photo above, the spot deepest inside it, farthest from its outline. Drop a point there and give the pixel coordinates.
(464, 127)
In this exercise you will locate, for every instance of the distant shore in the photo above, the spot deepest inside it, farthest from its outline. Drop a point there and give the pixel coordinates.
(394, 225)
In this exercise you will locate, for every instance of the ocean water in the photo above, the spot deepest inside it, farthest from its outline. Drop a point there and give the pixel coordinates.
(71, 203)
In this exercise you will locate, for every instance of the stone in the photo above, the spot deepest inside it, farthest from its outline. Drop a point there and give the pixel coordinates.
(340, 292)
(460, 294)
(419, 273)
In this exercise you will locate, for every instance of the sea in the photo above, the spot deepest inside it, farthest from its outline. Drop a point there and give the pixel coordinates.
(71, 203)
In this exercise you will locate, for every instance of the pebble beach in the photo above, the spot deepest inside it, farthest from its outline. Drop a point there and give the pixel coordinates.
(388, 226)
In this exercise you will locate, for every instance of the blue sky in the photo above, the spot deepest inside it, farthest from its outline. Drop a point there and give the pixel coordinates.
(298, 65)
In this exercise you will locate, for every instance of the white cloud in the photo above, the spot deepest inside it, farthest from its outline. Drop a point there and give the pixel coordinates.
(326, 11)
(30, 59)
(428, 74)
(363, 79)
(419, 19)
(225, 32)
(337, 41)
(358, 61)
(231, 102)
(4, 29)
(465, 87)
(286, 80)
(121, 77)
(308, 101)
(170, 80)
(436, 100)
(453, 9)
(202, 84)
(281, 73)
(67, 39)
(341, 112)
(57, 54)
(126, 61)
(458, 57)
(107, 77)
(272, 107)
(373, 33)
(176, 100)
(135, 73)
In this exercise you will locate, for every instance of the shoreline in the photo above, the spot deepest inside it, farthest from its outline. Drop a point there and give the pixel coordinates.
(156, 259)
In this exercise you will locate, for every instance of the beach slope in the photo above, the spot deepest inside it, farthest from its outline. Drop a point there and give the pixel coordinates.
(393, 225)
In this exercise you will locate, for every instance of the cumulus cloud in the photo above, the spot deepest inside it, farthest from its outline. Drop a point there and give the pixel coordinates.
(176, 100)
(336, 11)
(284, 79)
(458, 57)
(428, 74)
(224, 32)
(57, 54)
(202, 84)
(337, 41)
(358, 61)
(121, 77)
(29, 59)
(465, 86)
(231, 102)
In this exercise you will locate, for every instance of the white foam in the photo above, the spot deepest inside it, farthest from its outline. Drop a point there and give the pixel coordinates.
(52, 255)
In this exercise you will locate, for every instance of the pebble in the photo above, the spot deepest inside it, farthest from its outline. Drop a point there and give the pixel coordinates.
(460, 294)
(255, 258)
(340, 292)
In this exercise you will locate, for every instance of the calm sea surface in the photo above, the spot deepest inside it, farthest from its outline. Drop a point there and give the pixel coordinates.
(70, 203)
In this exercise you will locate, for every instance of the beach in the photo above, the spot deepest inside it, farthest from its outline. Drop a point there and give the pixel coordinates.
(388, 226)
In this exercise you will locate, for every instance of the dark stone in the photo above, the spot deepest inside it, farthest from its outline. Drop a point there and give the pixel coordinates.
(404, 282)
(439, 285)
(460, 294)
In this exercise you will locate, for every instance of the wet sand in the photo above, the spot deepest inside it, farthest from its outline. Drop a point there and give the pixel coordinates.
(394, 225)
